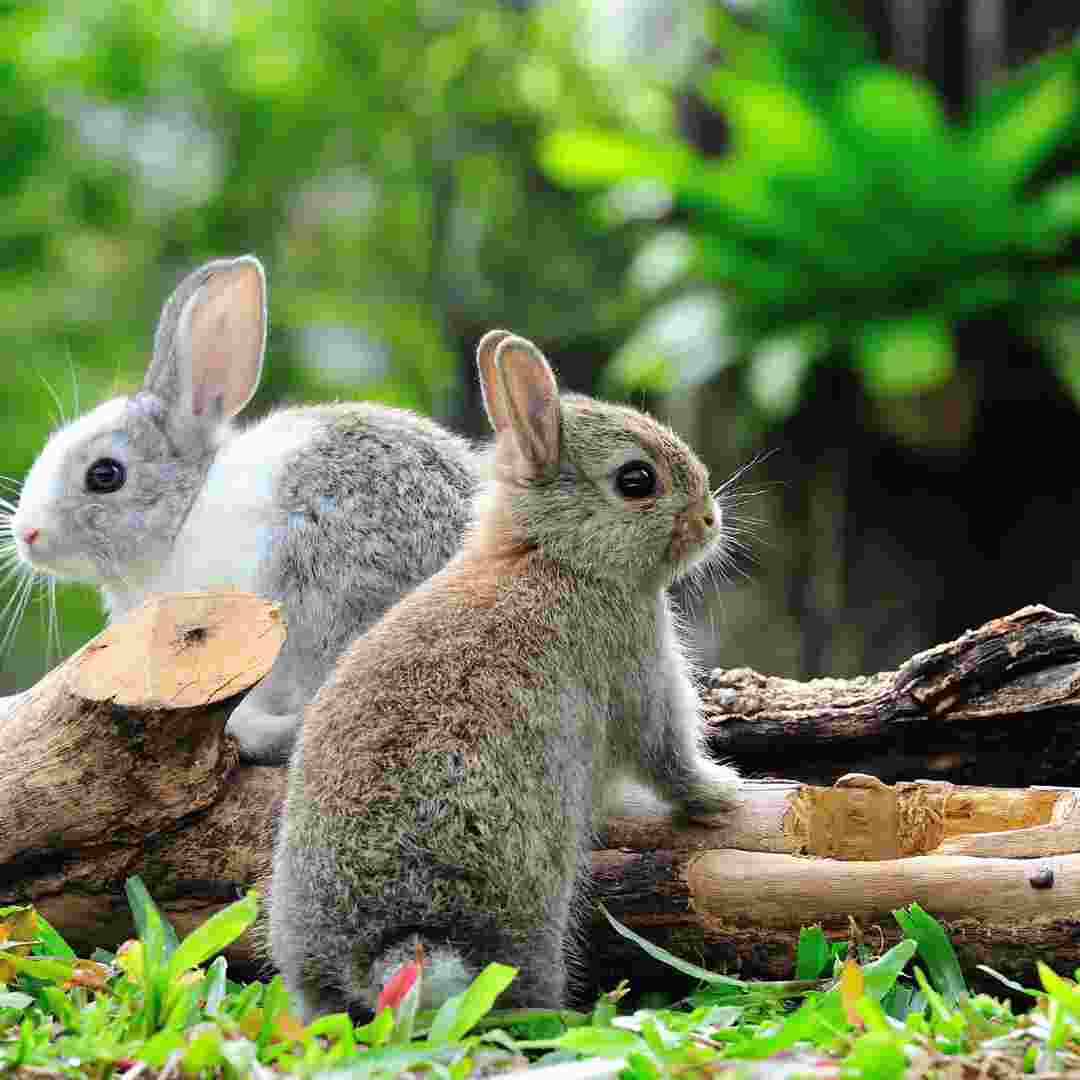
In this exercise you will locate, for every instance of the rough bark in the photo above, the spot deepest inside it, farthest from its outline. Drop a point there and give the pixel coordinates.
(995, 706)
(117, 763)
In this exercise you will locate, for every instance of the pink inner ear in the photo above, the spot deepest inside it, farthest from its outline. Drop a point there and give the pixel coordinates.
(225, 342)
(532, 403)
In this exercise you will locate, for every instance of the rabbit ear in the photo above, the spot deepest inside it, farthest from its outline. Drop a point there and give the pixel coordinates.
(489, 377)
(530, 401)
(208, 351)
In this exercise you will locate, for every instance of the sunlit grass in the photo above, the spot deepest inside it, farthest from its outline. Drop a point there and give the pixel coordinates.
(153, 1009)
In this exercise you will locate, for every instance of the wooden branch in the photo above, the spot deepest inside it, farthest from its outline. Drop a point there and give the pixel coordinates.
(995, 706)
(117, 763)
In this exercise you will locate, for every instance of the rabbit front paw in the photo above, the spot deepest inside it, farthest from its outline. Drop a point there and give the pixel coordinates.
(265, 738)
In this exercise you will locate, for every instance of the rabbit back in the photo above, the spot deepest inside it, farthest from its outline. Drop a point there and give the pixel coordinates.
(375, 503)
(467, 776)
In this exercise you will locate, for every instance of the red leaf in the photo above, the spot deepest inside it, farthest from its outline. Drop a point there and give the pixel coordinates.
(398, 985)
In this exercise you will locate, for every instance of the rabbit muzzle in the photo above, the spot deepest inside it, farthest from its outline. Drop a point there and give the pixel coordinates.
(43, 545)
(696, 529)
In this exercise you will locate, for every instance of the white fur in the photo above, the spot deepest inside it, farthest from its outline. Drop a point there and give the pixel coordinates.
(44, 485)
(228, 532)
(45, 481)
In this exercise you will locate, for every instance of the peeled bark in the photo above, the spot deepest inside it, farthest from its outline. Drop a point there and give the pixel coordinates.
(996, 706)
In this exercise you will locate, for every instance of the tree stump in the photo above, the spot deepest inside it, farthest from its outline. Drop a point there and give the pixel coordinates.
(117, 763)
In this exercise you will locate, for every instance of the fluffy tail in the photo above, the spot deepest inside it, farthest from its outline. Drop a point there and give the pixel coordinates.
(444, 971)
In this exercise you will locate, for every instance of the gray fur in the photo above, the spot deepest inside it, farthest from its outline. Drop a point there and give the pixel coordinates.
(334, 510)
(450, 774)
(371, 507)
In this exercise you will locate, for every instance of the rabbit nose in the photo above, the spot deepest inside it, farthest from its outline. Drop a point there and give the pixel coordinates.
(703, 514)
(28, 536)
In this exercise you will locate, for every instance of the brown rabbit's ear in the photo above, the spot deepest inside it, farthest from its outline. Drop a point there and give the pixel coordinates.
(489, 378)
(208, 353)
(530, 399)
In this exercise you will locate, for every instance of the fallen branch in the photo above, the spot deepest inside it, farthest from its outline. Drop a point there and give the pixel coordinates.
(117, 763)
(996, 706)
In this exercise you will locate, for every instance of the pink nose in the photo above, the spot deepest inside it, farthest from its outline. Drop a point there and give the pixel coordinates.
(28, 536)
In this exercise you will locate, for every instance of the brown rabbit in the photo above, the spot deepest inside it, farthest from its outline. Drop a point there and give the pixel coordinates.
(449, 774)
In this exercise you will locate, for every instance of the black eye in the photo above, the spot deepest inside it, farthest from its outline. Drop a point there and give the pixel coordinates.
(636, 480)
(105, 475)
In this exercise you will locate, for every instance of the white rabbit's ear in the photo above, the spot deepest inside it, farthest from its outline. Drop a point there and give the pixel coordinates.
(530, 399)
(210, 342)
(489, 378)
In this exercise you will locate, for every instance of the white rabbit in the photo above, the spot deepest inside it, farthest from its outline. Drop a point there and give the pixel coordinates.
(335, 510)
(450, 773)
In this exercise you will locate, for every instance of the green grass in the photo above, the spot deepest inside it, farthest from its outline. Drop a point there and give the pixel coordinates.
(155, 1009)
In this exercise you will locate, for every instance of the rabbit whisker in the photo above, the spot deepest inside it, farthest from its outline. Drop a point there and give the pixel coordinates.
(50, 621)
(742, 470)
(74, 383)
(13, 611)
(9, 558)
(56, 401)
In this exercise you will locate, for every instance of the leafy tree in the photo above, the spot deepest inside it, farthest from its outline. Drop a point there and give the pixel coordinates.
(850, 219)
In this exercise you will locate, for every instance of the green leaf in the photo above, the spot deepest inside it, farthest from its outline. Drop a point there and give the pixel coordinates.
(887, 107)
(1062, 990)
(147, 915)
(876, 1055)
(275, 1002)
(461, 1013)
(812, 953)
(935, 949)
(50, 943)
(590, 157)
(216, 986)
(881, 974)
(600, 1042)
(374, 1033)
(44, 967)
(770, 125)
(1020, 137)
(241, 1056)
(157, 1049)
(15, 999)
(1061, 205)
(905, 357)
(817, 1017)
(897, 1003)
(203, 1051)
(213, 935)
(657, 953)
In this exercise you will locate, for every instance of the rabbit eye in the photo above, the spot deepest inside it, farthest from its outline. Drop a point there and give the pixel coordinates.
(636, 480)
(105, 475)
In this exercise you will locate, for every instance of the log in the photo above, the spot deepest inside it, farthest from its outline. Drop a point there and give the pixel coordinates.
(997, 706)
(117, 763)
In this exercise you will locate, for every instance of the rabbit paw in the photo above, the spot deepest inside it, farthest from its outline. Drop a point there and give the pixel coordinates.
(265, 738)
(713, 792)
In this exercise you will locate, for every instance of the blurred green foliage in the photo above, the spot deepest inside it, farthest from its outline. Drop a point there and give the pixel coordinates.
(382, 159)
(379, 158)
(850, 218)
